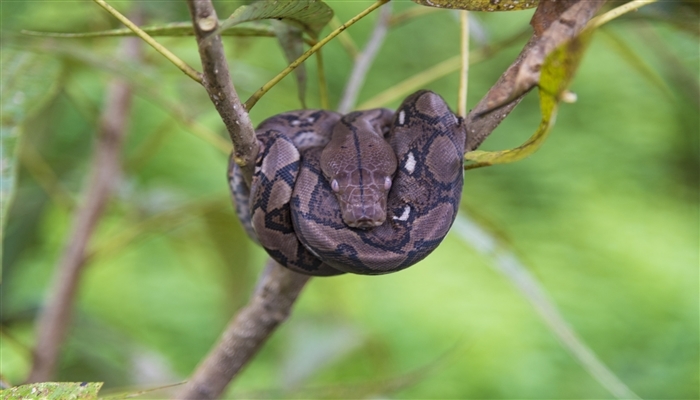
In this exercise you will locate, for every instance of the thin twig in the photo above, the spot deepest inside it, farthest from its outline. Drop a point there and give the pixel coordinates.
(217, 82)
(616, 12)
(437, 71)
(364, 60)
(272, 82)
(269, 306)
(411, 14)
(189, 71)
(344, 38)
(55, 317)
(464, 70)
(45, 176)
(507, 263)
(173, 29)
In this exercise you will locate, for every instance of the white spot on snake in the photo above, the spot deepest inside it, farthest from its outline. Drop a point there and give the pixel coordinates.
(404, 215)
(311, 120)
(296, 122)
(402, 117)
(410, 164)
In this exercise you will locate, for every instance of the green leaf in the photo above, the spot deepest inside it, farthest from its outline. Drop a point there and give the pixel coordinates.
(558, 70)
(309, 15)
(172, 29)
(481, 5)
(53, 391)
(292, 42)
(27, 81)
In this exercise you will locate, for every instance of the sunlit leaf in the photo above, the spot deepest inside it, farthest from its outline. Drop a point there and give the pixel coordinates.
(27, 81)
(172, 29)
(53, 391)
(557, 71)
(290, 38)
(480, 5)
(310, 15)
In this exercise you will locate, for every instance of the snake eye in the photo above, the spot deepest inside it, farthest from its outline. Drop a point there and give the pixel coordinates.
(387, 183)
(334, 185)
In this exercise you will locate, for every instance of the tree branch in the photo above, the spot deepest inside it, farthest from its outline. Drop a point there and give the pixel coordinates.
(269, 306)
(217, 82)
(364, 60)
(55, 317)
(554, 23)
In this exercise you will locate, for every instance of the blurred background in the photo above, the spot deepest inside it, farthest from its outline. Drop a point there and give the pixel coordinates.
(605, 216)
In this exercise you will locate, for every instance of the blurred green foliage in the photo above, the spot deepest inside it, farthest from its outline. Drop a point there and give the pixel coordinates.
(605, 214)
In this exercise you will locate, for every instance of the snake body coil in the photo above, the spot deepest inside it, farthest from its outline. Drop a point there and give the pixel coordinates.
(371, 192)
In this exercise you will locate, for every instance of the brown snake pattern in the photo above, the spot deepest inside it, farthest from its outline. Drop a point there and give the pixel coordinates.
(371, 192)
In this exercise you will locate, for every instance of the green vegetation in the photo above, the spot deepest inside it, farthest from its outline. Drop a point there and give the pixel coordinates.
(605, 215)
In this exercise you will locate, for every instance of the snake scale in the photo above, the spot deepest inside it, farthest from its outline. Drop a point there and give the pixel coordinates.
(370, 192)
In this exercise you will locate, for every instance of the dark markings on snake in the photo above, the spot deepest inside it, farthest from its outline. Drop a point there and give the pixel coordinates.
(306, 229)
(279, 220)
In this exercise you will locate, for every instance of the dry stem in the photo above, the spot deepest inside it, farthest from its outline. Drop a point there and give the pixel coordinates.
(54, 319)
(364, 60)
(270, 306)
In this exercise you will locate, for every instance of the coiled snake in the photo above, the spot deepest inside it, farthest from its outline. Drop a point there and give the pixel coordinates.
(370, 192)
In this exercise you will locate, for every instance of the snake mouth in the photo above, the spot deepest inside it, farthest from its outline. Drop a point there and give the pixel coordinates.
(363, 217)
(365, 223)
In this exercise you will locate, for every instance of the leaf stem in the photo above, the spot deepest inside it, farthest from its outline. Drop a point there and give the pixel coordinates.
(266, 87)
(616, 12)
(435, 72)
(189, 71)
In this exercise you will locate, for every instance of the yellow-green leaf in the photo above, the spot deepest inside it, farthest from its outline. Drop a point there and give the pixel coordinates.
(480, 5)
(557, 72)
(310, 15)
(53, 391)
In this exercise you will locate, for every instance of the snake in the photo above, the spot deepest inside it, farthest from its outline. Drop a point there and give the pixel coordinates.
(369, 192)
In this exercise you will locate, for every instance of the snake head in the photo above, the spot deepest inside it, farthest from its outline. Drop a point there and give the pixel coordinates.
(359, 166)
